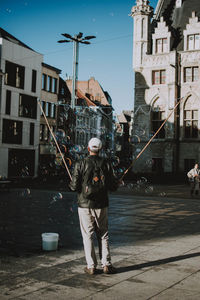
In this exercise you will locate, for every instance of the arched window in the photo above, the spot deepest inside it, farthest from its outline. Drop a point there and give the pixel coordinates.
(157, 118)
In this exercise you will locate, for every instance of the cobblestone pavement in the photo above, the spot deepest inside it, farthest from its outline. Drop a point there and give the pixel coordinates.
(155, 244)
(26, 213)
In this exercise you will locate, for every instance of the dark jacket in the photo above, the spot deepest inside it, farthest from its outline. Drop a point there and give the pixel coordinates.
(77, 183)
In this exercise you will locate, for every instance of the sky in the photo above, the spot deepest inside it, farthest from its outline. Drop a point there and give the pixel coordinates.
(40, 23)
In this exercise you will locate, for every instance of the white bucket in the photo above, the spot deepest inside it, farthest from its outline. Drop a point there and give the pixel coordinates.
(50, 241)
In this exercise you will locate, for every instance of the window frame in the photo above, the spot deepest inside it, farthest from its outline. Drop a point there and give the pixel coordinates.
(12, 132)
(8, 102)
(192, 132)
(15, 75)
(160, 75)
(34, 81)
(193, 75)
(163, 42)
(194, 46)
(157, 122)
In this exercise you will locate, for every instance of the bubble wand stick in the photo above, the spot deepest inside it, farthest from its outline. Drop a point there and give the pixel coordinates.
(126, 171)
(62, 156)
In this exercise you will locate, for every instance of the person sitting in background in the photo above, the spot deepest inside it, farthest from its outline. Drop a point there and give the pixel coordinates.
(194, 178)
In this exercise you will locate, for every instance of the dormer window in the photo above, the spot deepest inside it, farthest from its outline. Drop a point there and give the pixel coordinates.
(193, 42)
(161, 45)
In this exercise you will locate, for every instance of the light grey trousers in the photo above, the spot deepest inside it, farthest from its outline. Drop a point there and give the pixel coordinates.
(95, 221)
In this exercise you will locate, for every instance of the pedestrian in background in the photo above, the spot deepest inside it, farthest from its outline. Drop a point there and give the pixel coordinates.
(194, 178)
(92, 178)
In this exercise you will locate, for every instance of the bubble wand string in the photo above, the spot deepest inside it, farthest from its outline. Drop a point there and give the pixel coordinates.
(62, 156)
(126, 171)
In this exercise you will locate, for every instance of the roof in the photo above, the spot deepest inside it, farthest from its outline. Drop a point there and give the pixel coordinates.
(88, 88)
(176, 17)
(122, 118)
(7, 36)
(82, 96)
(93, 88)
(58, 71)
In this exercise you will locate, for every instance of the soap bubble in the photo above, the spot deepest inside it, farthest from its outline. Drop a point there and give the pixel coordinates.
(58, 159)
(25, 171)
(56, 198)
(26, 193)
(60, 134)
(149, 189)
(139, 131)
(142, 183)
(137, 151)
(151, 134)
(115, 161)
(163, 194)
(130, 186)
(63, 148)
(149, 162)
(134, 139)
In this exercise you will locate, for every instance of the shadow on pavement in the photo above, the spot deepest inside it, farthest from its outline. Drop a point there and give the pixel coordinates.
(156, 262)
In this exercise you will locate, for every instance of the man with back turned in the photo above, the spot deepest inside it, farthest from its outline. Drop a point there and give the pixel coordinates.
(92, 178)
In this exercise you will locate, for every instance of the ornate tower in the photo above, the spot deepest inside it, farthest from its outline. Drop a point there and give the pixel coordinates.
(141, 14)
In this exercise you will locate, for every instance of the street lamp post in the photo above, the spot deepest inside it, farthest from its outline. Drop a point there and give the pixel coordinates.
(76, 39)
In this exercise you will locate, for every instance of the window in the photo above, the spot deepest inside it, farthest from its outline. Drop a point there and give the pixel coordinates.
(44, 82)
(12, 132)
(47, 109)
(157, 119)
(43, 103)
(49, 84)
(191, 74)
(31, 137)
(159, 77)
(8, 102)
(14, 75)
(21, 162)
(34, 78)
(54, 85)
(27, 106)
(46, 133)
(161, 45)
(53, 110)
(42, 132)
(191, 123)
(193, 42)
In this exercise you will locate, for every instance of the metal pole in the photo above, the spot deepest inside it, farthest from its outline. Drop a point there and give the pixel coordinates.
(75, 72)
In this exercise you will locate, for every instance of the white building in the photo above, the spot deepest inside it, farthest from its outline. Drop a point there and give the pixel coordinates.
(19, 111)
(166, 63)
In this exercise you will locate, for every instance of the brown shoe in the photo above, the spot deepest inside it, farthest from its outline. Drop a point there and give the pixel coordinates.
(90, 271)
(109, 270)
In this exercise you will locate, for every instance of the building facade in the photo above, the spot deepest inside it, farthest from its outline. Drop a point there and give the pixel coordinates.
(19, 112)
(49, 103)
(166, 55)
(93, 113)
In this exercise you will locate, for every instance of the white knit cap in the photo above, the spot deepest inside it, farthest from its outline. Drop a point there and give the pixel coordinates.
(95, 144)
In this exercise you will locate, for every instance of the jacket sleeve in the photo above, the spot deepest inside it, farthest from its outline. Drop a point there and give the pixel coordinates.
(190, 174)
(75, 184)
